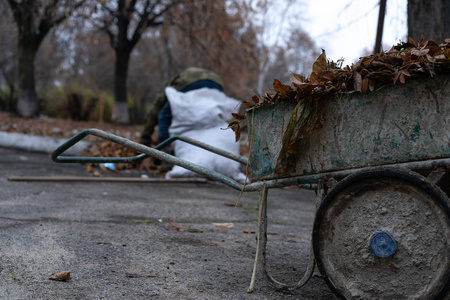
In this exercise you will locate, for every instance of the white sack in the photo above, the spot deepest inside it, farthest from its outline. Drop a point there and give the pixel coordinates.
(200, 114)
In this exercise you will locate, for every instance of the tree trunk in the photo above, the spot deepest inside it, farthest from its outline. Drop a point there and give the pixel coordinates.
(430, 18)
(120, 113)
(27, 104)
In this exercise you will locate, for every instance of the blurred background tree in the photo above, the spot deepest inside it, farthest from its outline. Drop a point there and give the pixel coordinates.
(8, 59)
(283, 46)
(34, 20)
(124, 22)
(77, 64)
(430, 18)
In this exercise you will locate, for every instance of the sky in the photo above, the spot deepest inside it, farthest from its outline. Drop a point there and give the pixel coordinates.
(347, 28)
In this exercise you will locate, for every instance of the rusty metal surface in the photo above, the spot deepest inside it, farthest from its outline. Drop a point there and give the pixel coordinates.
(399, 123)
(400, 203)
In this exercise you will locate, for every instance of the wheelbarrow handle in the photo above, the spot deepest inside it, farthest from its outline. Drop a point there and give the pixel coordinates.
(148, 152)
(156, 153)
(56, 155)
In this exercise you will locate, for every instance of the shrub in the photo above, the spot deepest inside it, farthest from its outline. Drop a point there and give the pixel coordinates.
(76, 102)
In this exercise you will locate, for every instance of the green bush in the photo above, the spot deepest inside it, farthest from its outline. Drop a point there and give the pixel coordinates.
(51, 102)
(82, 103)
(76, 102)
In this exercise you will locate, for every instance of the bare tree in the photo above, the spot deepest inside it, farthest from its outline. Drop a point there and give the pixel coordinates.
(92, 61)
(283, 46)
(51, 55)
(34, 19)
(211, 35)
(215, 35)
(296, 56)
(8, 51)
(430, 18)
(124, 22)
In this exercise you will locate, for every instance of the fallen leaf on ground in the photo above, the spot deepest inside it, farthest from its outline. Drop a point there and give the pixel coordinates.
(176, 227)
(233, 204)
(192, 229)
(63, 276)
(179, 228)
(111, 243)
(249, 230)
(223, 225)
(137, 275)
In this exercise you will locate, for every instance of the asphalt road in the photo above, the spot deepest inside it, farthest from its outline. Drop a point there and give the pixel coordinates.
(117, 242)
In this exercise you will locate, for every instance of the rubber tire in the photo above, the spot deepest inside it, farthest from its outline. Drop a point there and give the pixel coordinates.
(386, 176)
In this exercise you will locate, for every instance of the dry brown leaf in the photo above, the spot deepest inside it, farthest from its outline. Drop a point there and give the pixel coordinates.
(179, 228)
(357, 82)
(176, 227)
(419, 53)
(365, 85)
(223, 225)
(319, 66)
(421, 41)
(238, 116)
(298, 77)
(285, 91)
(296, 82)
(412, 41)
(63, 276)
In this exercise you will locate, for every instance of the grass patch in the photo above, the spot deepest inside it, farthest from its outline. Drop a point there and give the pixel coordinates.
(139, 221)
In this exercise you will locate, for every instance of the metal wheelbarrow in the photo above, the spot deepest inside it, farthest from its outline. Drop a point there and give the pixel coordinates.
(381, 168)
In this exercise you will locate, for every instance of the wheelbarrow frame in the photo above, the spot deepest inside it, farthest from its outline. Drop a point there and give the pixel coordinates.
(310, 181)
(307, 181)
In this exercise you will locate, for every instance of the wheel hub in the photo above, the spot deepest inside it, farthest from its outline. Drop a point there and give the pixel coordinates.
(383, 244)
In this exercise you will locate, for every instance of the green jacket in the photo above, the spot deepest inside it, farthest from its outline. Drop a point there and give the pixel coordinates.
(187, 77)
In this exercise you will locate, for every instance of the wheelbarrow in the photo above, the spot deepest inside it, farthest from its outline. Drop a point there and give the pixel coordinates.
(380, 167)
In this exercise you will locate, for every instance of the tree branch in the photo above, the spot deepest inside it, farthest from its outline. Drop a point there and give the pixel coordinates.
(110, 34)
(111, 12)
(16, 11)
(51, 20)
(131, 7)
(141, 25)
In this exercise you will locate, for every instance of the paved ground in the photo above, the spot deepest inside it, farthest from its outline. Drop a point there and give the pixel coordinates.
(117, 242)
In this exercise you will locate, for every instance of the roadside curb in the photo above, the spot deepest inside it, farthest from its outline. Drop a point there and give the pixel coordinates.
(38, 143)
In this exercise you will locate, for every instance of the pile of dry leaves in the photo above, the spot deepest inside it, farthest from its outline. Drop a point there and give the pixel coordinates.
(402, 62)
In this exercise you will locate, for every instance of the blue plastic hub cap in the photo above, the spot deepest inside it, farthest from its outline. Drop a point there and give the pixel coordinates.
(383, 244)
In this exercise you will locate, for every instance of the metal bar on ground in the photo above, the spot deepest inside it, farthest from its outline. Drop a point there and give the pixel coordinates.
(107, 179)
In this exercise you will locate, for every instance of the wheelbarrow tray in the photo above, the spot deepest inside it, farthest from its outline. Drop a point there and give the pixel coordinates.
(396, 124)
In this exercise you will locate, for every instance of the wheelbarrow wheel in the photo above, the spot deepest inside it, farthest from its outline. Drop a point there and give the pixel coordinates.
(384, 234)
